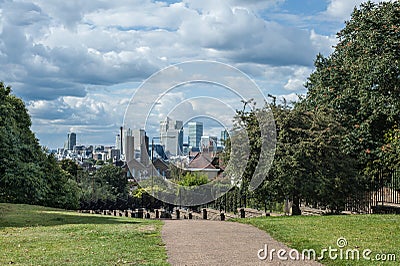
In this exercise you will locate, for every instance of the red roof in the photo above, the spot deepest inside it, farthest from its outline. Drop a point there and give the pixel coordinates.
(201, 161)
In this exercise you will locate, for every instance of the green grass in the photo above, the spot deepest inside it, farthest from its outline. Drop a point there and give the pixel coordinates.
(33, 235)
(379, 233)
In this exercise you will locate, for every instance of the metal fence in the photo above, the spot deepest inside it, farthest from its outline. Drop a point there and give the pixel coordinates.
(381, 196)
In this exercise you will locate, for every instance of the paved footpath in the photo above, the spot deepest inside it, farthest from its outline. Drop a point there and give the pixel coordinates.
(201, 242)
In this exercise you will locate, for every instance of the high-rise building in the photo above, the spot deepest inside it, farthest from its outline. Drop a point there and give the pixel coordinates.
(118, 142)
(171, 136)
(195, 133)
(71, 141)
(135, 145)
(140, 139)
(224, 136)
(208, 144)
(129, 150)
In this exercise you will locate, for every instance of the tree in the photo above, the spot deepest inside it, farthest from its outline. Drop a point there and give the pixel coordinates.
(360, 81)
(21, 179)
(64, 191)
(310, 165)
(27, 173)
(70, 166)
(114, 178)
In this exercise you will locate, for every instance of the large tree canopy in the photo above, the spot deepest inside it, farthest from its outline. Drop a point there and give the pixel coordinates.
(360, 80)
(27, 174)
(346, 129)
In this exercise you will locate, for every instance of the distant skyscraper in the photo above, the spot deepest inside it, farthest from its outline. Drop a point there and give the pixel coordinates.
(71, 141)
(171, 136)
(127, 144)
(118, 142)
(195, 133)
(139, 138)
(129, 148)
(224, 137)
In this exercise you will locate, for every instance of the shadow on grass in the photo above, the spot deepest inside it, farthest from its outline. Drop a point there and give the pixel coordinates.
(26, 215)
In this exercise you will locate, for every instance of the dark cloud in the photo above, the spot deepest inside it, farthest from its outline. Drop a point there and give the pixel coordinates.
(48, 89)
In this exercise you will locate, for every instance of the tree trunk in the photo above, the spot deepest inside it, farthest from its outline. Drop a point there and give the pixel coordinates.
(296, 206)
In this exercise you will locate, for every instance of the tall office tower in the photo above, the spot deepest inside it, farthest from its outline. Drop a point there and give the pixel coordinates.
(224, 136)
(129, 148)
(118, 142)
(195, 133)
(127, 143)
(71, 141)
(171, 136)
(144, 151)
(139, 138)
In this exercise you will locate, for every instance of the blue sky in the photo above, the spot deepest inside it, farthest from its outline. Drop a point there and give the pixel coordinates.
(76, 63)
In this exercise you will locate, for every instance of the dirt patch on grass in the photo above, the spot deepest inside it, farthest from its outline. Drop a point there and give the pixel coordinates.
(147, 228)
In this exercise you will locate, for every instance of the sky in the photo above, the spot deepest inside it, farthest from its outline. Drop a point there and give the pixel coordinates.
(77, 64)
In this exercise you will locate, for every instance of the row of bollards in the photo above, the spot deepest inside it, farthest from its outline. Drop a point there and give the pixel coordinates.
(141, 214)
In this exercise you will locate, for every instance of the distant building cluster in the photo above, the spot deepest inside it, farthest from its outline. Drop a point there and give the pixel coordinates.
(136, 147)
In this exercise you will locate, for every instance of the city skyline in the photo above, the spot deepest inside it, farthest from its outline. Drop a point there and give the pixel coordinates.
(117, 144)
(77, 65)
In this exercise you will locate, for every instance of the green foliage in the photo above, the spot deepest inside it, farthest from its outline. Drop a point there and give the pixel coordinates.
(99, 162)
(27, 174)
(360, 81)
(108, 184)
(191, 179)
(70, 166)
(310, 164)
(390, 151)
(113, 177)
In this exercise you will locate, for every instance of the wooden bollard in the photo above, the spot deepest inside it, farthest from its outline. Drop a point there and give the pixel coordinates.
(204, 214)
(140, 214)
(242, 213)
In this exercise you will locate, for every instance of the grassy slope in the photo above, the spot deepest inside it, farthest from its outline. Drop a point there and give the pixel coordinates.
(379, 233)
(33, 235)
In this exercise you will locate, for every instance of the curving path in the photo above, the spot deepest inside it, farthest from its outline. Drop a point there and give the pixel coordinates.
(202, 242)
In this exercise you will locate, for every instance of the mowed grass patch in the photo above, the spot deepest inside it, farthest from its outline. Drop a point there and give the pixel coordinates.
(379, 233)
(34, 235)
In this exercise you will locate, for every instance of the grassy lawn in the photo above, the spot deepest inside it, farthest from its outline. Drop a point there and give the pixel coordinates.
(33, 235)
(379, 233)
